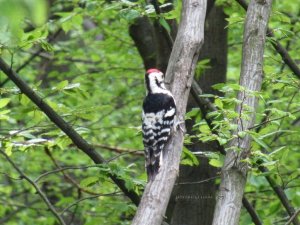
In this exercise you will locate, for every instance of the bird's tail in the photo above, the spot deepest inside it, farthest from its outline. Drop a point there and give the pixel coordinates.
(154, 160)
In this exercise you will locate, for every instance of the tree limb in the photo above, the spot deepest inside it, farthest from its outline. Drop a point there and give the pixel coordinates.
(81, 143)
(179, 75)
(255, 219)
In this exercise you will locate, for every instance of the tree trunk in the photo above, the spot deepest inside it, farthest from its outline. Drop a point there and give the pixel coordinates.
(201, 196)
(179, 76)
(234, 172)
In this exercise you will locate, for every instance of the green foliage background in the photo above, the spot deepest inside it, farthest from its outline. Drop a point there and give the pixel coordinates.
(92, 75)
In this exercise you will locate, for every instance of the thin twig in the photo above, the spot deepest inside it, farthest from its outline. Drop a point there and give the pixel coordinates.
(85, 198)
(67, 176)
(198, 182)
(271, 120)
(36, 187)
(120, 150)
(65, 168)
(293, 217)
(10, 177)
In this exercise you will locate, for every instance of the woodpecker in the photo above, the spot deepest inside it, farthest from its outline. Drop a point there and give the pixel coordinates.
(158, 117)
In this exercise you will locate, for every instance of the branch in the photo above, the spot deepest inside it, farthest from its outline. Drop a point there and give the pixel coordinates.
(234, 171)
(255, 219)
(293, 217)
(63, 169)
(81, 143)
(279, 48)
(36, 187)
(281, 195)
(67, 176)
(120, 150)
(89, 197)
(179, 75)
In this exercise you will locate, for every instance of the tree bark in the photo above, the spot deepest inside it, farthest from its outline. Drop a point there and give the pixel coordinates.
(187, 194)
(179, 76)
(234, 171)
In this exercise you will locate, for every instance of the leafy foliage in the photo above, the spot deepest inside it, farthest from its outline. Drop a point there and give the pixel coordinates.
(78, 56)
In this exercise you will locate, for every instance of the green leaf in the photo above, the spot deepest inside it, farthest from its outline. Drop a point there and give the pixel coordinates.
(8, 149)
(277, 150)
(189, 158)
(46, 46)
(165, 24)
(72, 86)
(4, 102)
(222, 141)
(204, 128)
(129, 14)
(261, 143)
(215, 163)
(89, 181)
(61, 85)
(219, 103)
(192, 113)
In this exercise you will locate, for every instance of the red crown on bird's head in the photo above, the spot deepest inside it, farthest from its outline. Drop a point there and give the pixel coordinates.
(153, 70)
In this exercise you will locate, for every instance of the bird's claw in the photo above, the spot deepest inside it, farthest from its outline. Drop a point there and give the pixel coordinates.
(178, 125)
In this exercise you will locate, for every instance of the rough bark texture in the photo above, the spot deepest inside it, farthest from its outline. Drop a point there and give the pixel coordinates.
(234, 172)
(200, 197)
(179, 76)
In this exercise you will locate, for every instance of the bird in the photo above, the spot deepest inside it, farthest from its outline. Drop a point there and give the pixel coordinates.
(158, 116)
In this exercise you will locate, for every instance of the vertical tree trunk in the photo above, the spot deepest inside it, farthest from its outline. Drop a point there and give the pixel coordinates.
(200, 197)
(179, 75)
(234, 172)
